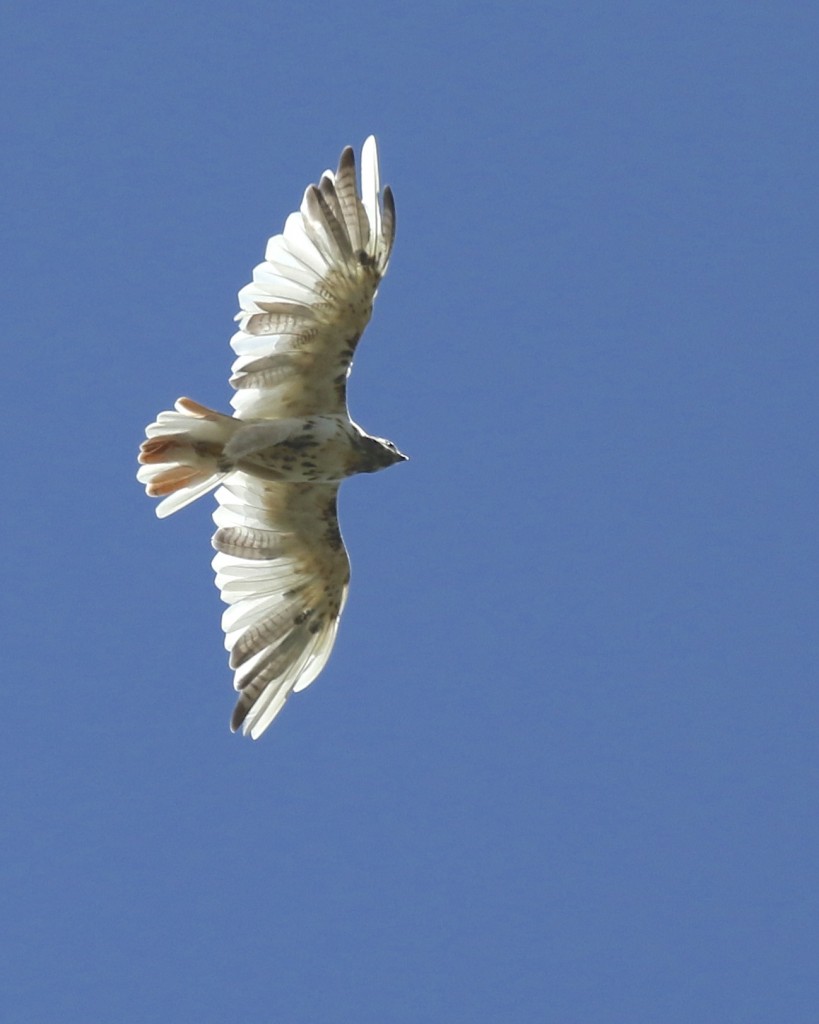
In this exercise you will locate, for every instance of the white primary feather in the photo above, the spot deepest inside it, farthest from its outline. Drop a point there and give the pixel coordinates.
(371, 191)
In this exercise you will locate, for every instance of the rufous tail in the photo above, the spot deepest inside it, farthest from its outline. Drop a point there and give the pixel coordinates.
(180, 455)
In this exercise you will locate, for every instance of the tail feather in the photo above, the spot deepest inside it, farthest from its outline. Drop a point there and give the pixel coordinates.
(180, 457)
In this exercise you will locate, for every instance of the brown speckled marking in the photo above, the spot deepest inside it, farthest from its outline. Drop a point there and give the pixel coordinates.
(329, 516)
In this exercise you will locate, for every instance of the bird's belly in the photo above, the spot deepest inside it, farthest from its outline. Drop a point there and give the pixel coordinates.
(301, 460)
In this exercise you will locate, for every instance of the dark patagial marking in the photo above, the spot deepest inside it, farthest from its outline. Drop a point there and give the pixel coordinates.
(329, 517)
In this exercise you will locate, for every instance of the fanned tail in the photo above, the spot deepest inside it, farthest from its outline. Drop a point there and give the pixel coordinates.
(181, 454)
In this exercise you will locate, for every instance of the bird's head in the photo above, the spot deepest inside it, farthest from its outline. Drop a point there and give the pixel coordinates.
(377, 453)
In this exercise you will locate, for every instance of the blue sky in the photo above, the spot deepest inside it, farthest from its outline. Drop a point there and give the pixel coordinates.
(562, 765)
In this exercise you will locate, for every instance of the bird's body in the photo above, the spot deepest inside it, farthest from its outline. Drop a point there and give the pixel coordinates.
(281, 564)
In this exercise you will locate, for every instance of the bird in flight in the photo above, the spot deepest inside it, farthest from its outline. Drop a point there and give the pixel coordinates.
(278, 461)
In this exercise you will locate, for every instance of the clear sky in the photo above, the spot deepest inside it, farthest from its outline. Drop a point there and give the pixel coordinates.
(563, 764)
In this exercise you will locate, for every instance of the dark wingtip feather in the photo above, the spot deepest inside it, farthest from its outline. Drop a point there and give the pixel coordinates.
(389, 203)
(388, 220)
(347, 159)
(240, 713)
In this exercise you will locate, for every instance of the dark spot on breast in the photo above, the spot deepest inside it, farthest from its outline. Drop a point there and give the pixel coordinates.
(297, 444)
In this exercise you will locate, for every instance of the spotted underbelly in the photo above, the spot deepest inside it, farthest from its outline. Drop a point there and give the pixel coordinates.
(301, 459)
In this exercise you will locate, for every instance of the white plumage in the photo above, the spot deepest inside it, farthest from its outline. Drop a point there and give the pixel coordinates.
(281, 565)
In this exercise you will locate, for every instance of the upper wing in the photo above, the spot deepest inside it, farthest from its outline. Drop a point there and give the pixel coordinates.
(308, 303)
(282, 569)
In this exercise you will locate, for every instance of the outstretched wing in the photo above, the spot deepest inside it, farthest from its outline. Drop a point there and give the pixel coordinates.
(282, 569)
(309, 302)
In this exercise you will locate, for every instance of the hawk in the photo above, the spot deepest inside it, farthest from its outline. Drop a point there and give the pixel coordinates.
(278, 461)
